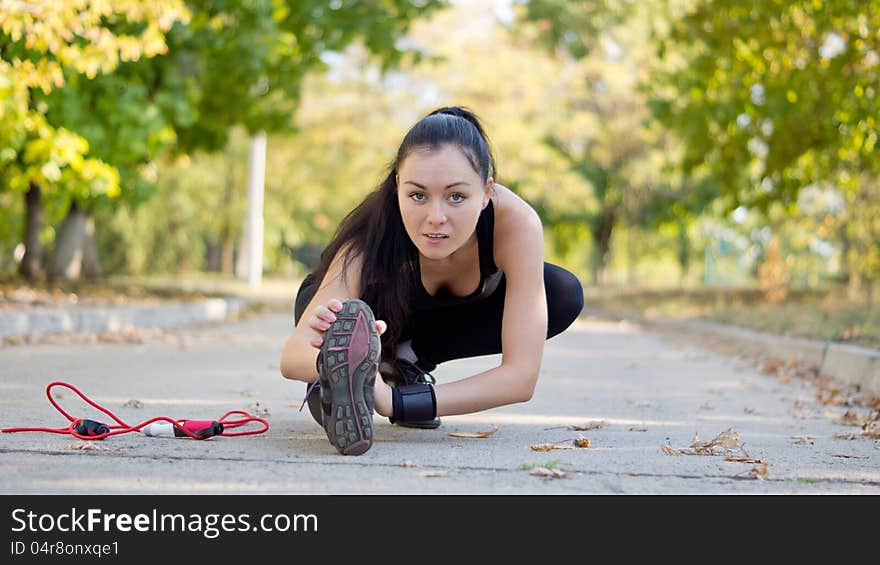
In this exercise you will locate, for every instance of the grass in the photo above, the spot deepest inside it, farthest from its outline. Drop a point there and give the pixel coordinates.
(548, 465)
(812, 314)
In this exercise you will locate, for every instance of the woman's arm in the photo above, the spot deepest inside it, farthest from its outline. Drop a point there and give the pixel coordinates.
(301, 348)
(519, 252)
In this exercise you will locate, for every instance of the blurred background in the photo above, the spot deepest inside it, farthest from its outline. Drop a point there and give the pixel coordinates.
(688, 158)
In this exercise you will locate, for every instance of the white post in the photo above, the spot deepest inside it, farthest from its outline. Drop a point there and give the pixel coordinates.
(254, 231)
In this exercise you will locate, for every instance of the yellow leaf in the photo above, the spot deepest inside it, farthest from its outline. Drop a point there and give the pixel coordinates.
(742, 459)
(592, 425)
(475, 434)
(850, 418)
(582, 442)
(670, 450)
(548, 447)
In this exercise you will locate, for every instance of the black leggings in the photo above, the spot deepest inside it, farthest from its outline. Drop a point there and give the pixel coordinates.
(474, 328)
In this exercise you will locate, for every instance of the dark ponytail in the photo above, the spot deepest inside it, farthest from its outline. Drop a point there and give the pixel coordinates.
(374, 230)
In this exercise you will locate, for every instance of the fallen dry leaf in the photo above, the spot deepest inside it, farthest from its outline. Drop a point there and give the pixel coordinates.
(757, 472)
(871, 430)
(743, 459)
(475, 434)
(726, 440)
(846, 436)
(582, 442)
(407, 464)
(133, 404)
(592, 425)
(88, 447)
(431, 474)
(549, 447)
(848, 456)
(724, 443)
(638, 429)
(258, 409)
(850, 418)
(749, 410)
(549, 473)
(771, 365)
(803, 440)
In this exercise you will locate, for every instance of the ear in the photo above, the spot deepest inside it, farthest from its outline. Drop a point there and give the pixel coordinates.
(487, 191)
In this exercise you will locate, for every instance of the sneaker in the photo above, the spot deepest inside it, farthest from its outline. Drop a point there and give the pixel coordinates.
(408, 373)
(347, 365)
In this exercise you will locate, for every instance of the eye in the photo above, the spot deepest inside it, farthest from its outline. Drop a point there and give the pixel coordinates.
(457, 197)
(417, 196)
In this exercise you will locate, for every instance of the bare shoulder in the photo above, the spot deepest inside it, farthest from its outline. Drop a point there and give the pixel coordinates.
(518, 229)
(510, 208)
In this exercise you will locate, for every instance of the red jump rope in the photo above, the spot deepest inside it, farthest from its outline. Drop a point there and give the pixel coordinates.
(160, 426)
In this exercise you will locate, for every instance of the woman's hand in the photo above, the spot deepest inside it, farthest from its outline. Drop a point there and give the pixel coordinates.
(325, 314)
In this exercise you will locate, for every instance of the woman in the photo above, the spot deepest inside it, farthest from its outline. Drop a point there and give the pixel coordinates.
(451, 263)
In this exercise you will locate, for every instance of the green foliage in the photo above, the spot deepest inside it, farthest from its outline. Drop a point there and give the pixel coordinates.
(40, 43)
(771, 96)
(775, 98)
(575, 26)
(88, 118)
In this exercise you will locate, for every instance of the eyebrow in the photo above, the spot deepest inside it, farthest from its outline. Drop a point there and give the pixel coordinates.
(448, 186)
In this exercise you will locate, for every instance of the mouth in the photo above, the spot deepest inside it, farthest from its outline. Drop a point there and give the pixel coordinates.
(436, 236)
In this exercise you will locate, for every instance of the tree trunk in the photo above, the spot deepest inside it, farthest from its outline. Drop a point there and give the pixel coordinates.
(213, 259)
(227, 257)
(33, 251)
(602, 239)
(632, 244)
(68, 257)
(684, 253)
(91, 259)
(845, 265)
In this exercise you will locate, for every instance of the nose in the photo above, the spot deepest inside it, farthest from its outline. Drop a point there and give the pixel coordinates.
(437, 213)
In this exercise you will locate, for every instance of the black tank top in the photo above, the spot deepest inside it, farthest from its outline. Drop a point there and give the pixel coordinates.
(490, 274)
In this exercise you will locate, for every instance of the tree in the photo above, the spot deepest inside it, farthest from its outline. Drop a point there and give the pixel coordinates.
(40, 40)
(234, 63)
(239, 66)
(775, 97)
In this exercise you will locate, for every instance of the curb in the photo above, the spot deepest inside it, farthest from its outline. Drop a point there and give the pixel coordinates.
(846, 363)
(39, 321)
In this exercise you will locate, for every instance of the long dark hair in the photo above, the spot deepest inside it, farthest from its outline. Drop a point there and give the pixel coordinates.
(374, 230)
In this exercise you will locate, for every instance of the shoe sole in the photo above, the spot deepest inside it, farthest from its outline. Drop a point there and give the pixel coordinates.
(350, 355)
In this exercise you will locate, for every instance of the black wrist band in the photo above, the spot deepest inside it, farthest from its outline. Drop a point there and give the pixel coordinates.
(413, 403)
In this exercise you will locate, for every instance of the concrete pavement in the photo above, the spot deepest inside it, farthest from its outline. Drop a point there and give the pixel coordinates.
(648, 390)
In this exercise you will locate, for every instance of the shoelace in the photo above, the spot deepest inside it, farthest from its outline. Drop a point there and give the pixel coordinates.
(413, 374)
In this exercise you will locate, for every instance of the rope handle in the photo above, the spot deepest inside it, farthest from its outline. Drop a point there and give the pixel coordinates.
(85, 429)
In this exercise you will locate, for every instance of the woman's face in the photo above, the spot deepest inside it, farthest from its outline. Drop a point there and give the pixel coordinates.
(441, 197)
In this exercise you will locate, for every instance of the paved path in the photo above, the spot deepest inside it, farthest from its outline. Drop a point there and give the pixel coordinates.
(648, 389)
